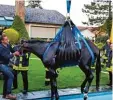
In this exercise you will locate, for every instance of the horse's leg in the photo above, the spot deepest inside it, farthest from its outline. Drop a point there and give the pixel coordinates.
(54, 91)
(83, 85)
(82, 67)
(89, 77)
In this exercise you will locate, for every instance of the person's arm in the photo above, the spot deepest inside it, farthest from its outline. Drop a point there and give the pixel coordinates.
(109, 59)
(11, 49)
(29, 54)
(5, 54)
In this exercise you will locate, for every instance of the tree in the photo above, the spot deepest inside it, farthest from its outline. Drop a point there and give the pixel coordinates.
(35, 4)
(97, 12)
(19, 26)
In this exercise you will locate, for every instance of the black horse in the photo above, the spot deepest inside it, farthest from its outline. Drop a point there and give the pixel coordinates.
(82, 59)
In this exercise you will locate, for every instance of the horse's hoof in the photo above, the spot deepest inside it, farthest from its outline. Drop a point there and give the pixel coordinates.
(85, 96)
(97, 89)
(52, 98)
(57, 97)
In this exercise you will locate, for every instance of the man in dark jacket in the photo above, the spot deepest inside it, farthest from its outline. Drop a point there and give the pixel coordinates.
(21, 64)
(5, 56)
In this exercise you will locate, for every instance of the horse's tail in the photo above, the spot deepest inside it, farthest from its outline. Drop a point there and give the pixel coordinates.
(98, 70)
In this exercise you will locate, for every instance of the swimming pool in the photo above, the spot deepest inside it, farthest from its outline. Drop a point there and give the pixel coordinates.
(91, 96)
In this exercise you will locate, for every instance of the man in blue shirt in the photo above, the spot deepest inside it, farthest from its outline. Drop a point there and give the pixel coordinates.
(5, 55)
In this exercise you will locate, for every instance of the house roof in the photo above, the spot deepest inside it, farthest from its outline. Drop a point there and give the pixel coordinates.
(82, 28)
(33, 15)
(6, 21)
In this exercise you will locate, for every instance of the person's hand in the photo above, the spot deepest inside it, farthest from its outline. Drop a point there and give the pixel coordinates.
(111, 46)
(16, 53)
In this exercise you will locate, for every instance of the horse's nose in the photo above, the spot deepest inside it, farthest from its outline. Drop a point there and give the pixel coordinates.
(25, 44)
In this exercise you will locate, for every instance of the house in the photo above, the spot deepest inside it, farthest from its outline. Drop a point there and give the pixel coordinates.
(39, 23)
(88, 32)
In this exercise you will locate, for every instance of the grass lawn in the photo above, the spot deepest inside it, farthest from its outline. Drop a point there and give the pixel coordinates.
(68, 77)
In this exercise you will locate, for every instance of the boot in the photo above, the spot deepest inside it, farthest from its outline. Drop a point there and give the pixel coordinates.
(10, 96)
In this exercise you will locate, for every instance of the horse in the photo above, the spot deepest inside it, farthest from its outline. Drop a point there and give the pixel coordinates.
(39, 48)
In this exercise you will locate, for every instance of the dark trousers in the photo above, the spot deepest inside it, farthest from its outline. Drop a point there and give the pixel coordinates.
(5, 86)
(110, 78)
(8, 78)
(24, 78)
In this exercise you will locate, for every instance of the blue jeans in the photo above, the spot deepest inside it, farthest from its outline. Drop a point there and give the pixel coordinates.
(8, 78)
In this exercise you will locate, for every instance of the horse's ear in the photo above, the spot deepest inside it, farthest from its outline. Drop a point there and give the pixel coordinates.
(22, 40)
(1, 31)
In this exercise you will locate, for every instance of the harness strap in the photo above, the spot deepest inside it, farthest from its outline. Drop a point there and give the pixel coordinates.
(68, 5)
(88, 47)
(56, 39)
(76, 37)
(58, 35)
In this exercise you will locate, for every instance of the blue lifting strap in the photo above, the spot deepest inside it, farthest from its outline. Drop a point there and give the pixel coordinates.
(76, 37)
(58, 35)
(68, 5)
(56, 39)
(89, 49)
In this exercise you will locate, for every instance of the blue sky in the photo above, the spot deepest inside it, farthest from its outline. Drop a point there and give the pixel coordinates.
(60, 5)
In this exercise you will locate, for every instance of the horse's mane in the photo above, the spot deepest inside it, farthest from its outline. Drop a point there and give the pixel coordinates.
(36, 40)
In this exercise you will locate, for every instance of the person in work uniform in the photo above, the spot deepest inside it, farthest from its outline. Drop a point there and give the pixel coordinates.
(110, 65)
(106, 49)
(20, 64)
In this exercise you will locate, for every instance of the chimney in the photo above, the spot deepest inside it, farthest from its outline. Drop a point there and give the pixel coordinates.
(20, 8)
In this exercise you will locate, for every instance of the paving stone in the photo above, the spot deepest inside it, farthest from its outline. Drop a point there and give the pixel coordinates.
(47, 93)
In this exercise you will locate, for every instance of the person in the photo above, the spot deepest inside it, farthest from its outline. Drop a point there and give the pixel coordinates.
(106, 49)
(5, 56)
(21, 64)
(109, 65)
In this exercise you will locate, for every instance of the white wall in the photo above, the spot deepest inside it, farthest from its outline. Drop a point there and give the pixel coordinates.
(86, 33)
(42, 30)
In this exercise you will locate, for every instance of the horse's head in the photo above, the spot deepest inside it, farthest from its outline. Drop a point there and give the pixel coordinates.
(34, 46)
(25, 45)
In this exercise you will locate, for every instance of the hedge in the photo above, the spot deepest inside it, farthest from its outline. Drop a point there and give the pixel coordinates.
(12, 34)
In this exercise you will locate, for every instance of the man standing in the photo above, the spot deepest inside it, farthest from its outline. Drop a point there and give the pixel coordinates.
(106, 49)
(110, 65)
(5, 55)
(21, 64)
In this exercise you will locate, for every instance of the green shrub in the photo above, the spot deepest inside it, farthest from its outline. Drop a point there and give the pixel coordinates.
(100, 45)
(19, 26)
(101, 39)
(12, 34)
